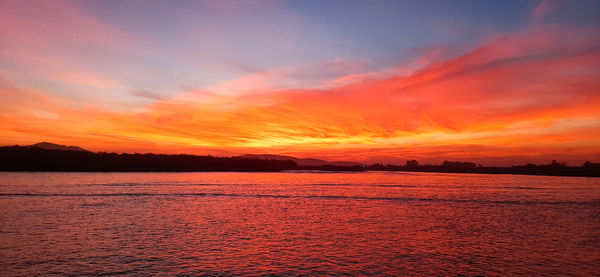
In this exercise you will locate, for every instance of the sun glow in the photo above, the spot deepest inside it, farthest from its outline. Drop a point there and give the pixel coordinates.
(82, 80)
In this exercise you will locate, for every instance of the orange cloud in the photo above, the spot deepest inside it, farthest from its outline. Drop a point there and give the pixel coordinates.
(521, 97)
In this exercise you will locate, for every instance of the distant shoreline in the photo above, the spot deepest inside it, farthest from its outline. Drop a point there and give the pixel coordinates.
(35, 159)
(301, 171)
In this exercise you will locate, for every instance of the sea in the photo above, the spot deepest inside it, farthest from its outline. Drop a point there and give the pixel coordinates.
(298, 223)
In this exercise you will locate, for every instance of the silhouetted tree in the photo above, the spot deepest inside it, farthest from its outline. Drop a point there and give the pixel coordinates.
(412, 164)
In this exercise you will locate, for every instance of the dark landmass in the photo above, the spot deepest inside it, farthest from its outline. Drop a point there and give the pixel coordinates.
(300, 161)
(53, 146)
(75, 159)
(30, 158)
(554, 168)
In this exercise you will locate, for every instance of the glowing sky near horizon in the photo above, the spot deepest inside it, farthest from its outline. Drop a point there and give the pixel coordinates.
(498, 83)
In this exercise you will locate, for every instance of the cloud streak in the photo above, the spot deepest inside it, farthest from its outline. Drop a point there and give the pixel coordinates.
(533, 92)
(544, 8)
(83, 73)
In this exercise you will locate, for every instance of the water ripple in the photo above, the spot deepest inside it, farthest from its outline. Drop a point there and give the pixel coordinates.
(324, 197)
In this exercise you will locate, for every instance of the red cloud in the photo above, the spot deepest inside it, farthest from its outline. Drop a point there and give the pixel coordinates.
(534, 92)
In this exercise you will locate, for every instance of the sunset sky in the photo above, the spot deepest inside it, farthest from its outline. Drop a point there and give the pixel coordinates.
(499, 83)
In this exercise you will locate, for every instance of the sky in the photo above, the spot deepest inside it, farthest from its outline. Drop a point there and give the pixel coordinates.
(493, 82)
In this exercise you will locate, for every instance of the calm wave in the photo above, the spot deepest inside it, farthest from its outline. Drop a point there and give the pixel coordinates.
(375, 223)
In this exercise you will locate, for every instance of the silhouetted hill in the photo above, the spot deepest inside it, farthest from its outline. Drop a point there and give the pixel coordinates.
(300, 161)
(24, 158)
(53, 146)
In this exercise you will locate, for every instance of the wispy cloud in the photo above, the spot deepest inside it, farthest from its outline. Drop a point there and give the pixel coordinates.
(545, 7)
(492, 101)
(253, 86)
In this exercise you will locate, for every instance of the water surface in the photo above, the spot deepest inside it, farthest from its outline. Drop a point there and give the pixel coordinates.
(380, 223)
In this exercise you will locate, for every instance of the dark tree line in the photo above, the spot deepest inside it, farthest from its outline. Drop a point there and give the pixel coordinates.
(555, 168)
(27, 158)
(20, 158)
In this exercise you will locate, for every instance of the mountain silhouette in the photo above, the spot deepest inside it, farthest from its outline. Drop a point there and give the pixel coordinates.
(54, 146)
(33, 158)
